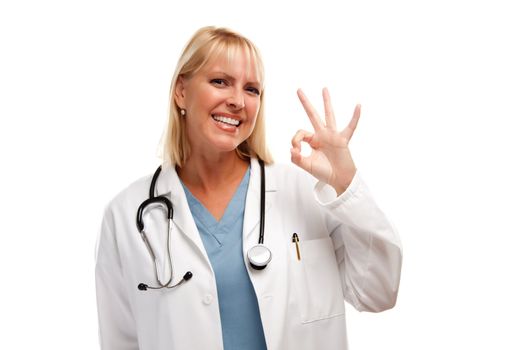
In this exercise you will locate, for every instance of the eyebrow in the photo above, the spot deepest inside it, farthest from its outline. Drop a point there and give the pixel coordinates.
(229, 77)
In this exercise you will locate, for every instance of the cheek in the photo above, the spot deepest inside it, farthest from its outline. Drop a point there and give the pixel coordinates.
(254, 113)
(203, 97)
(209, 97)
(253, 109)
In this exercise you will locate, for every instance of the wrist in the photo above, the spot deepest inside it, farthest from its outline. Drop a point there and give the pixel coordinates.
(342, 184)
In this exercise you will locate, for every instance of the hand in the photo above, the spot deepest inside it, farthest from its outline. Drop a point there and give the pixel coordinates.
(330, 160)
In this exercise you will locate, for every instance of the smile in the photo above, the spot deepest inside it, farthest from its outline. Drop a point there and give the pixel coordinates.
(226, 120)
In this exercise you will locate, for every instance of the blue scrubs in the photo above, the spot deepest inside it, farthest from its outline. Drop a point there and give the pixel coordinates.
(239, 310)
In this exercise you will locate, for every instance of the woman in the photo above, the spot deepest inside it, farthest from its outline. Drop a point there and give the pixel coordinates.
(323, 243)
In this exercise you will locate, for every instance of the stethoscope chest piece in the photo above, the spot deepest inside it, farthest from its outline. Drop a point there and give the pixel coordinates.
(259, 256)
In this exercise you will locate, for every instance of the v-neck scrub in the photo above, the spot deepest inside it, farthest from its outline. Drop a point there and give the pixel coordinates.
(239, 310)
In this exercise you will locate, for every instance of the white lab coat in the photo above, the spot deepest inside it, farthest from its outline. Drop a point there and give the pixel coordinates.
(349, 251)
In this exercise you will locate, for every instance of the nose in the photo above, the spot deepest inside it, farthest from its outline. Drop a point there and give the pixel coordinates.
(236, 100)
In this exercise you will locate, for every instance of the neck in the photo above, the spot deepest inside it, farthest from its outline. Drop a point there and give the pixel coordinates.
(212, 172)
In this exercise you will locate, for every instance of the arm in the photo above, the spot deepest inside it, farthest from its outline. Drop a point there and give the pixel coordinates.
(368, 249)
(367, 246)
(117, 329)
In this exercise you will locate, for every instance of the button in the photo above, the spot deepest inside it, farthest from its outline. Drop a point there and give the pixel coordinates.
(208, 298)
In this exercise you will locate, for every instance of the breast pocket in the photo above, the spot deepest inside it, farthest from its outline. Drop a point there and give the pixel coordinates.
(317, 286)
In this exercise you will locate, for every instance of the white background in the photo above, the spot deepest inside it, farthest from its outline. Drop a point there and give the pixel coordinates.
(83, 103)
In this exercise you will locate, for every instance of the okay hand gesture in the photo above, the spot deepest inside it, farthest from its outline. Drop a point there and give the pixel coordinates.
(330, 160)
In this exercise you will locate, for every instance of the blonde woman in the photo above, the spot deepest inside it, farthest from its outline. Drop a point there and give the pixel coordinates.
(223, 249)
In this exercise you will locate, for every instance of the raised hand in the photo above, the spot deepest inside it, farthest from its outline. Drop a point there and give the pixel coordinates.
(330, 160)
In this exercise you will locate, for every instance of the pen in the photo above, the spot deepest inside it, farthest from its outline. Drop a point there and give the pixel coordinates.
(295, 239)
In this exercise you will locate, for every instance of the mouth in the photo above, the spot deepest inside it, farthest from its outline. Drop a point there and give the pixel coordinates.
(226, 120)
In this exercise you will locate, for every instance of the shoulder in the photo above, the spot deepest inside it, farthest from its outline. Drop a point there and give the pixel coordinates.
(130, 196)
(289, 176)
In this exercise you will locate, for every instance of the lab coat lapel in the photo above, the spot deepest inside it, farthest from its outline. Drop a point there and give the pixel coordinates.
(253, 204)
(169, 184)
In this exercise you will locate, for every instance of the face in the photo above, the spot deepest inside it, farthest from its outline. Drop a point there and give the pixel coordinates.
(222, 102)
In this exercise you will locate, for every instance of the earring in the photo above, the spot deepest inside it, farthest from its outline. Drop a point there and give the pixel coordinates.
(183, 112)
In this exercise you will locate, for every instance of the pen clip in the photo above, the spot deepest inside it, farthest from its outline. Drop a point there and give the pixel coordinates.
(295, 239)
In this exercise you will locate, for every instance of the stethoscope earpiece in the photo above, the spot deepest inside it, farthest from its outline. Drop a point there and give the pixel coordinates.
(187, 276)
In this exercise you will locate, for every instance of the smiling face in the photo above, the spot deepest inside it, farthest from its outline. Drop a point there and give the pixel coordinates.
(222, 101)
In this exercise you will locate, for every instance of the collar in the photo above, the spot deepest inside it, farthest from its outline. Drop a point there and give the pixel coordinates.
(169, 185)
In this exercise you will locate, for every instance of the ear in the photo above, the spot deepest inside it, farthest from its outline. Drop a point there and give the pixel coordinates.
(180, 92)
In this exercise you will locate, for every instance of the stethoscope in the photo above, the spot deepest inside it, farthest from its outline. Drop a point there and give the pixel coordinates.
(258, 256)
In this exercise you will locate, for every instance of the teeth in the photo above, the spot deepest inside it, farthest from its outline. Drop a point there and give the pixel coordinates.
(226, 120)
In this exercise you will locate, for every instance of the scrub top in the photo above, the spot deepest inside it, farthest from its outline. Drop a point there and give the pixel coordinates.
(239, 310)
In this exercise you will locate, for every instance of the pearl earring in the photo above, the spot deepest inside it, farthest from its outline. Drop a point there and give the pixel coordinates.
(183, 112)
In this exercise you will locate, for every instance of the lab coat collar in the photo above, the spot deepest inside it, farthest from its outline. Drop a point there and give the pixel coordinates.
(169, 185)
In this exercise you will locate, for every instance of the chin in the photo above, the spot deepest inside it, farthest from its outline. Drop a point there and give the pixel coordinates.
(225, 147)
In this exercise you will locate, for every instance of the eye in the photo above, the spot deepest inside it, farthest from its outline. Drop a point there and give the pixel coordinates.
(253, 90)
(218, 81)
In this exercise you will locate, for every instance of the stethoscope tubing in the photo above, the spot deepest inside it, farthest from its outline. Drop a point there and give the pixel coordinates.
(263, 202)
(154, 257)
(258, 265)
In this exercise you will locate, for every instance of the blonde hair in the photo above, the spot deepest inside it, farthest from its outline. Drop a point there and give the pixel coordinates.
(207, 44)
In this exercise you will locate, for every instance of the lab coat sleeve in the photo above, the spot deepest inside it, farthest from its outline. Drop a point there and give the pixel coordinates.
(117, 329)
(367, 246)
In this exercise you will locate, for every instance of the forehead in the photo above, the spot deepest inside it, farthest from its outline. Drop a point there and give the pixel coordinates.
(240, 63)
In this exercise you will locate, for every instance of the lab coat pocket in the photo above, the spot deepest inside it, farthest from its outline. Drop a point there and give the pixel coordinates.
(316, 280)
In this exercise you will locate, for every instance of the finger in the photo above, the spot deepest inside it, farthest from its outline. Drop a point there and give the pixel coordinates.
(350, 128)
(301, 135)
(310, 110)
(299, 160)
(328, 111)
